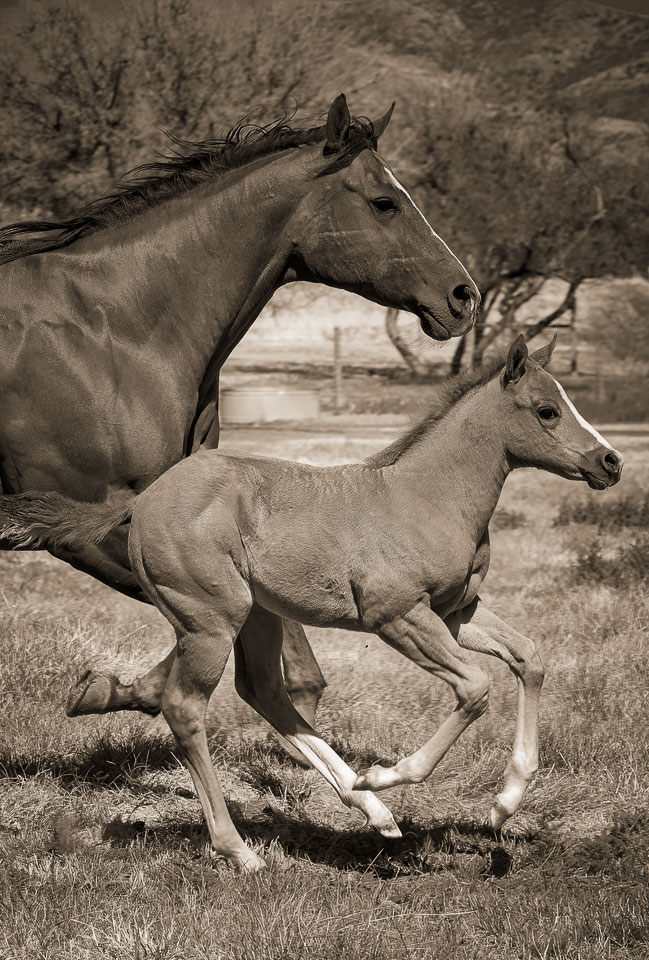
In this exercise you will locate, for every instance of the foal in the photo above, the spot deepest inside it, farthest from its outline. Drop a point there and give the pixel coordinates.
(226, 546)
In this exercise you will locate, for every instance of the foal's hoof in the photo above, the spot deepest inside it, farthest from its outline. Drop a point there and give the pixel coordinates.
(376, 778)
(389, 830)
(92, 693)
(498, 815)
(251, 863)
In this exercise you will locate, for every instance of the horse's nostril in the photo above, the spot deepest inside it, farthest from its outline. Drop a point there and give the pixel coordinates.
(463, 293)
(612, 462)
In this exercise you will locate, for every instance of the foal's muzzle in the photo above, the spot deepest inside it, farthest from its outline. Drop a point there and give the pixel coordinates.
(607, 470)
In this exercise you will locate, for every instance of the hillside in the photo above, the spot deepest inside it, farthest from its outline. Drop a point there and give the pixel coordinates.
(522, 128)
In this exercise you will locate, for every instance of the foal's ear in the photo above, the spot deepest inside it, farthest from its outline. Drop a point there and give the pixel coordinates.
(516, 360)
(544, 354)
(382, 122)
(338, 121)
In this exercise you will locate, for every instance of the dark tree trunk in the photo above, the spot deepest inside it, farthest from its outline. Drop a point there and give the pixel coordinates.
(415, 365)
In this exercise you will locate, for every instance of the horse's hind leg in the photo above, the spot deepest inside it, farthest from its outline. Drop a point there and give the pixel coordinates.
(259, 682)
(303, 677)
(97, 692)
(482, 631)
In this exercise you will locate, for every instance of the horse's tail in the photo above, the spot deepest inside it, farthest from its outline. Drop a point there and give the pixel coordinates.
(52, 520)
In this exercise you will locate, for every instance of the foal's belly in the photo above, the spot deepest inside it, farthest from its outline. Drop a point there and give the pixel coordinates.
(316, 600)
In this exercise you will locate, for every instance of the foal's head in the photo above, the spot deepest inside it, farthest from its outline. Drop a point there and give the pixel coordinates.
(359, 229)
(542, 427)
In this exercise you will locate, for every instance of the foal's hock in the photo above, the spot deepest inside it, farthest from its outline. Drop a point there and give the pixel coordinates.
(226, 546)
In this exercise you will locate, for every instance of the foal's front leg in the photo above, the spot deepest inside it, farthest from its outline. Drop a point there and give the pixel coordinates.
(484, 632)
(426, 640)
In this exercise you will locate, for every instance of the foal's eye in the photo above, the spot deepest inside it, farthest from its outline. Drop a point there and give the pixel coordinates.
(384, 205)
(547, 413)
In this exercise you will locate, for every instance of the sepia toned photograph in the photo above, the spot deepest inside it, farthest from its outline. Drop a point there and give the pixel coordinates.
(324, 480)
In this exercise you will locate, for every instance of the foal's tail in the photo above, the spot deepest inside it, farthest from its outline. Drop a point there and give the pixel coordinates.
(52, 520)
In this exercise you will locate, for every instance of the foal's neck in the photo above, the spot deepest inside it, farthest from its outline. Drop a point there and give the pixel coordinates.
(461, 461)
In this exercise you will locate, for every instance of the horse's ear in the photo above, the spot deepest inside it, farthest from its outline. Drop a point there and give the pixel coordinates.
(516, 360)
(544, 354)
(380, 124)
(338, 122)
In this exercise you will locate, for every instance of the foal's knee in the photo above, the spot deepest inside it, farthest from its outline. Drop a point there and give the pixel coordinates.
(473, 693)
(532, 671)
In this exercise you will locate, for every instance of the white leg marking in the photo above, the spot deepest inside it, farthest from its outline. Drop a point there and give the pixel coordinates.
(580, 420)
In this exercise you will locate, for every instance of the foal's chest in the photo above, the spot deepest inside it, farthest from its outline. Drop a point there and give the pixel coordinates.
(463, 579)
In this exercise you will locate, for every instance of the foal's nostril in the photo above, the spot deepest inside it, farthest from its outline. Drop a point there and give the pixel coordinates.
(612, 462)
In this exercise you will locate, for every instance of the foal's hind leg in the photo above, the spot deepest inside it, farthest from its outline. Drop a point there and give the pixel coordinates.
(193, 676)
(484, 632)
(259, 682)
(205, 598)
(426, 640)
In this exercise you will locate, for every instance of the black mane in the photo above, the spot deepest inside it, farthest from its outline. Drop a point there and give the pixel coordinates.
(445, 396)
(191, 164)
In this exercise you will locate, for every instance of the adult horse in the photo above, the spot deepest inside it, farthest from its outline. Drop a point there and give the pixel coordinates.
(115, 323)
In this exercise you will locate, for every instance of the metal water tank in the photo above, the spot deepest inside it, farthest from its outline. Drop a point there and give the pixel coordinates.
(262, 404)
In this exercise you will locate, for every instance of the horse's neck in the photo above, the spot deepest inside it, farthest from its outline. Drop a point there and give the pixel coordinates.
(192, 273)
(461, 463)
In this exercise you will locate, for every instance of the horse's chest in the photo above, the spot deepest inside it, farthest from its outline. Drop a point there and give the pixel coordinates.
(463, 582)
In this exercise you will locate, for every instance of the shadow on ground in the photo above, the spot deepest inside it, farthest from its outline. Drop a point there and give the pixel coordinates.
(106, 763)
(420, 850)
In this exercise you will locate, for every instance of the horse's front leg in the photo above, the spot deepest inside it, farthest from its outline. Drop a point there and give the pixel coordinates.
(484, 632)
(426, 640)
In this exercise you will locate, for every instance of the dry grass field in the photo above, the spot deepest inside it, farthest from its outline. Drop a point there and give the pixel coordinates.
(103, 849)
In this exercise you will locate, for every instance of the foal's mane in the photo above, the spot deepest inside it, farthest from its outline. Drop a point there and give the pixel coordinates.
(445, 397)
(191, 164)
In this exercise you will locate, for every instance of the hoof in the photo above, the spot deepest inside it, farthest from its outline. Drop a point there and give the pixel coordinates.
(391, 831)
(377, 815)
(376, 778)
(92, 693)
(498, 815)
(251, 864)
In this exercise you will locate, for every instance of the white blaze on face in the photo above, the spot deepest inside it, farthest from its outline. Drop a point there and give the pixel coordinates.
(393, 180)
(580, 420)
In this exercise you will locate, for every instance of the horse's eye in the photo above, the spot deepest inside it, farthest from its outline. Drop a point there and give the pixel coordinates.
(548, 413)
(384, 204)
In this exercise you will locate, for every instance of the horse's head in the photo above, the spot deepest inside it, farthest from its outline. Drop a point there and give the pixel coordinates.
(358, 228)
(546, 430)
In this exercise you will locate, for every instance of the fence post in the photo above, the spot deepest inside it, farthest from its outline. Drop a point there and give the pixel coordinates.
(338, 372)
